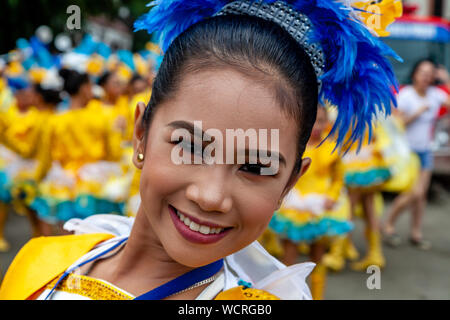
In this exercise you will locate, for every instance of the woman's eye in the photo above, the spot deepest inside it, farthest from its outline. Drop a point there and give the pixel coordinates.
(190, 147)
(255, 169)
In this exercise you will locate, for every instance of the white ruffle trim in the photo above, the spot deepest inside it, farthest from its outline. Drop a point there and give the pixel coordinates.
(312, 202)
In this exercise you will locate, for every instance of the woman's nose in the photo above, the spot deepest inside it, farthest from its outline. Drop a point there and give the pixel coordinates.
(210, 191)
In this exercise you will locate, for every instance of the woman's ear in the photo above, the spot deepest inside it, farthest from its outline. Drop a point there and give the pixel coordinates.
(306, 162)
(139, 136)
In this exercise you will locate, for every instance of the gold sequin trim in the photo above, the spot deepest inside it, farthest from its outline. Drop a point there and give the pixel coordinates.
(89, 287)
(256, 294)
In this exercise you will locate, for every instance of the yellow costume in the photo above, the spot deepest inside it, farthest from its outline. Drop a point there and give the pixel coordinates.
(18, 148)
(78, 154)
(22, 130)
(130, 179)
(366, 168)
(119, 115)
(303, 216)
(404, 164)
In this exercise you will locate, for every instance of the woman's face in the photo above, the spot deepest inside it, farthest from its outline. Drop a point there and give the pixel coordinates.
(114, 87)
(139, 86)
(424, 76)
(86, 91)
(25, 98)
(229, 202)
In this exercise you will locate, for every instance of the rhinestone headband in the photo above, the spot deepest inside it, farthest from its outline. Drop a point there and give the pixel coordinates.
(295, 23)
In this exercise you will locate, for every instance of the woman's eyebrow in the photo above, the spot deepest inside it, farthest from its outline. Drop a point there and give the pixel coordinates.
(273, 155)
(180, 124)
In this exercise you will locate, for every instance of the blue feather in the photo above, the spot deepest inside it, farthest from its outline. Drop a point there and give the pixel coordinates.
(358, 77)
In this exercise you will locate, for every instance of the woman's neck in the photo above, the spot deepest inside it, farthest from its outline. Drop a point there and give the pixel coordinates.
(421, 91)
(45, 107)
(143, 254)
(110, 100)
(77, 102)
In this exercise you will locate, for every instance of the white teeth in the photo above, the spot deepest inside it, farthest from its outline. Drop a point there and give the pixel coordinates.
(196, 227)
(204, 229)
(193, 226)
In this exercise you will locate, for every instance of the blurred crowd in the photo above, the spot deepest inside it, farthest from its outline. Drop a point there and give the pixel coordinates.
(66, 124)
(66, 127)
(396, 157)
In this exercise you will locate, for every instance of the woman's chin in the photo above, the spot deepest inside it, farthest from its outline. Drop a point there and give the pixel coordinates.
(193, 258)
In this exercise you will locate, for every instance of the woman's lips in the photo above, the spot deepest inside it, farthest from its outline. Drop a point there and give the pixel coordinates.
(196, 231)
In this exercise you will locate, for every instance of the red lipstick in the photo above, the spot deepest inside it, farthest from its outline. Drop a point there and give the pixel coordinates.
(197, 236)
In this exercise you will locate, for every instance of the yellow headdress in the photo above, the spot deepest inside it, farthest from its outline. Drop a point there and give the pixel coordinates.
(377, 15)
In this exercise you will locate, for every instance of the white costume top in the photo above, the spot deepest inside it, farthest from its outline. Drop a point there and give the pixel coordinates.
(252, 264)
(419, 132)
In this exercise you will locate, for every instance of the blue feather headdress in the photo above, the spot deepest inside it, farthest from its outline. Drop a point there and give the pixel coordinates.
(357, 76)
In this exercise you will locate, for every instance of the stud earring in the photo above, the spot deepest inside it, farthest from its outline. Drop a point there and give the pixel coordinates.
(140, 157)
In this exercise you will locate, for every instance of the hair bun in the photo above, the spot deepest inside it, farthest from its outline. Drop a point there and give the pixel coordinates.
(73, 80)
(66, 73)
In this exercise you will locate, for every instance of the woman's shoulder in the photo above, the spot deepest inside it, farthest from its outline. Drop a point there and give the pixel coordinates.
(42, 259)
(437, 92)
(59, 117)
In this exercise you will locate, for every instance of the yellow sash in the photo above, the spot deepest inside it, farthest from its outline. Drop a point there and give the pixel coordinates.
(42, 259)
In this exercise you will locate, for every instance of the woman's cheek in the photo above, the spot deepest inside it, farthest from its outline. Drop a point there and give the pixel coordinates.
(159, 177)
(256, 215)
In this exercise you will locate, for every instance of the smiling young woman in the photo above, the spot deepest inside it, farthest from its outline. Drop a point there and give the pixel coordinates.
(231, 65)
(230, 196)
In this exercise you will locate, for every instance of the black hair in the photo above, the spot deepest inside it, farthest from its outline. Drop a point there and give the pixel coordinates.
(417, 65)
(136, 77)
(73, 80)
(253, 46)
(104, 78)
(49, 96)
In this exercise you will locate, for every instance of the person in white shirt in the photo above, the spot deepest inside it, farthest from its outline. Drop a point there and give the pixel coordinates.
(418, 106)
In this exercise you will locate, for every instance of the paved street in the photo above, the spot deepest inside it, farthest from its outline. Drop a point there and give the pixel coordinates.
(409, 274)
